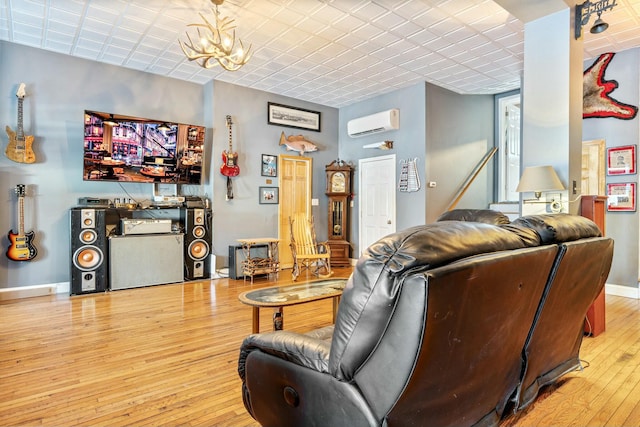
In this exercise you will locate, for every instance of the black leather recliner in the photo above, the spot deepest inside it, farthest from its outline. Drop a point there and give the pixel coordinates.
(443, 324)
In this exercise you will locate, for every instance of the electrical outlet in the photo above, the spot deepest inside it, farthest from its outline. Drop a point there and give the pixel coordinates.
(554, 197)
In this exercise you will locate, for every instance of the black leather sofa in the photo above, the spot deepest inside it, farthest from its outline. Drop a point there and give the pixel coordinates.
(446, 324)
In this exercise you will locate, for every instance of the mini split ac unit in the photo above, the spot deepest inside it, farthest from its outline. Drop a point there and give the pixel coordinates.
(375, 123)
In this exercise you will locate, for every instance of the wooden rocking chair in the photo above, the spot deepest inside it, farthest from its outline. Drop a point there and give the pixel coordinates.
(306, 252)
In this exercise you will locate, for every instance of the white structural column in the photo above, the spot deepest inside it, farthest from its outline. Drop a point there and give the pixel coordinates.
(552, 96)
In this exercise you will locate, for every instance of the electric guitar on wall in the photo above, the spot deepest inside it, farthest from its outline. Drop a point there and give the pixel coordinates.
(21, 248)
(19, 148)
(229, 166)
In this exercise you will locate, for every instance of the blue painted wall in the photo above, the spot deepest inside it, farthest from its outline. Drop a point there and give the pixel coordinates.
(621, 226)
(447, 132)
(243, 216)
(59, 88)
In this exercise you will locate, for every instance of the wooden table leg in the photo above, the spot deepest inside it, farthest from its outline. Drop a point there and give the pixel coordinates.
(256, 320)
(336, 303)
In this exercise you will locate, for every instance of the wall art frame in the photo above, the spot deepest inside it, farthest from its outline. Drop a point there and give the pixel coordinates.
(293, 117)
(621, 160)
(268, 195)
(621, 197)
(269, 165)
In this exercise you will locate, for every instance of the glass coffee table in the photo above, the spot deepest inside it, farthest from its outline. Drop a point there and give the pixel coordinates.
(282, 296)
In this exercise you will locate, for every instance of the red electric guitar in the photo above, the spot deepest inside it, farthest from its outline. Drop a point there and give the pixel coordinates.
(229, 166)
(21, 248)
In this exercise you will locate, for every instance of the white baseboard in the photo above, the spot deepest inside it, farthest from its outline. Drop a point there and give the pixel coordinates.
(622, 291)
(26, 292)
(63, 288)
(33, 291)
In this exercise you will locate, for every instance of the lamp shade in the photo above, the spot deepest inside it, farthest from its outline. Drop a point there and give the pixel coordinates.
(539, 178)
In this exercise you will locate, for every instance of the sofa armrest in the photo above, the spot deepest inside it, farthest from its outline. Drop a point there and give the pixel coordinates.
(300, 349)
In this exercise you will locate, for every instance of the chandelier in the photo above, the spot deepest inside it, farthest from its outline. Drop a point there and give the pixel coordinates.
(216, 43)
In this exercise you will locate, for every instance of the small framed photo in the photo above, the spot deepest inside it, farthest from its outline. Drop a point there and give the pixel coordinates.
(283, 115)
(621, 160)
(268, 195)
(269, 165)
(621, 197)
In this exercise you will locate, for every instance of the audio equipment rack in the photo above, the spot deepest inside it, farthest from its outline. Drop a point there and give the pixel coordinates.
(102, 246)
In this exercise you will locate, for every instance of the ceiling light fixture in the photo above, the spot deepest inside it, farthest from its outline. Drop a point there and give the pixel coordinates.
(216, 44)
(164, 127)
(584, 12)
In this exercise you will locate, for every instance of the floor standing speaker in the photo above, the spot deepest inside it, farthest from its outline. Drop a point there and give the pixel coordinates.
(89, 272)
(197, 242)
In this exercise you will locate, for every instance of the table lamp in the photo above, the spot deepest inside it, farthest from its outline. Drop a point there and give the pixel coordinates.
(537, 179)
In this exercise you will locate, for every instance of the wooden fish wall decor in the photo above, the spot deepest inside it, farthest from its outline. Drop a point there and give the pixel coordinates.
(297, 143)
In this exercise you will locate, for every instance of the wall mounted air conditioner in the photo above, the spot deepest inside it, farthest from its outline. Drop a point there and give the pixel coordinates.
(375, 123)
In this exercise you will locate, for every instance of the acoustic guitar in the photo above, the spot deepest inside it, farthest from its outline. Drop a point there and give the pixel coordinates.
(21, 244)
(20, 145)
(230, 166)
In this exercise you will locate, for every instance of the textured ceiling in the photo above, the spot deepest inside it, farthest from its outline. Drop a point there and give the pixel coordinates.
(331, 52)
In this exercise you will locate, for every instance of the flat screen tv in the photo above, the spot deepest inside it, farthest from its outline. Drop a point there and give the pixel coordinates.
(123, 148)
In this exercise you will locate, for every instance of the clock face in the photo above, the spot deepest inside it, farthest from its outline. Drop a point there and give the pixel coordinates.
(338, 183)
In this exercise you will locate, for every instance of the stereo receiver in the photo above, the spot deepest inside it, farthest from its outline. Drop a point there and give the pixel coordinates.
(144, 226)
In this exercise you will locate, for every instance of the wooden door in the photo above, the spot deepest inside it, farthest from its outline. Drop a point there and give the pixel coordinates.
(593, 168)
(295, 196)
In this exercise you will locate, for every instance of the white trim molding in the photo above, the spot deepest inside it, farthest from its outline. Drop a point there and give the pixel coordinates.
(622, 291)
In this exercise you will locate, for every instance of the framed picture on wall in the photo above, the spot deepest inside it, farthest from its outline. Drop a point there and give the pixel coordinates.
(621, 160)
(621, 197)
(268, 195)
(293, 117)
(269, 165)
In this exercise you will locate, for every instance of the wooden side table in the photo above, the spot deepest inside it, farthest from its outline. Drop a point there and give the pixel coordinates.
(594, 208)
(252, 265)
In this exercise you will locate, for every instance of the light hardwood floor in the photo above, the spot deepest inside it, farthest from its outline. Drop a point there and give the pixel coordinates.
(167, 356)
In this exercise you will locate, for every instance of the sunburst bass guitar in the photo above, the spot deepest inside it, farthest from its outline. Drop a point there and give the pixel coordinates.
(21, 244)
(20, 145)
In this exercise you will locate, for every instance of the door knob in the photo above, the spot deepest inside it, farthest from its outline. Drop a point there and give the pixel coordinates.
(388, 221)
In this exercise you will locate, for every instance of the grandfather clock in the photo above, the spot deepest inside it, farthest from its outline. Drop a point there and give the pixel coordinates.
(339, 192)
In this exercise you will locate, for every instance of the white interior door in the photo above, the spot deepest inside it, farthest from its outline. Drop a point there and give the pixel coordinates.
(377, 190)
(509, 160)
